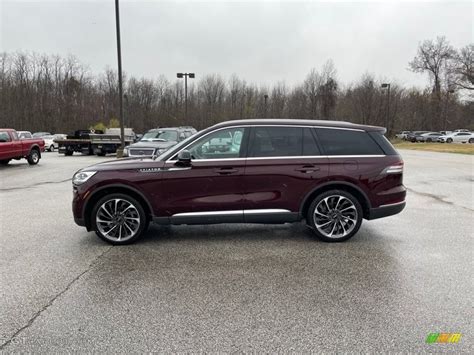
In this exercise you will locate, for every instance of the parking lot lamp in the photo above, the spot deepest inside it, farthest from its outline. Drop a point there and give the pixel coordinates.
(186, 75)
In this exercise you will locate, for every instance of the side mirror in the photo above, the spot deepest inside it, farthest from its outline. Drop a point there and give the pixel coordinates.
(184, 157)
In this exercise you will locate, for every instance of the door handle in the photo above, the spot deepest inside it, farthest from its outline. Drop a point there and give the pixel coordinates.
(308, 169)
(226, 171)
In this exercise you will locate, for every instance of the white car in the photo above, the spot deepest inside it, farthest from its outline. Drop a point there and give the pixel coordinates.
(457, 137)
(49, 141)
(402, 135)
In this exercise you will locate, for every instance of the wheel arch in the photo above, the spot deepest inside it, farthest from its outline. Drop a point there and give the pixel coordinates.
(110, 189)
(337, 185)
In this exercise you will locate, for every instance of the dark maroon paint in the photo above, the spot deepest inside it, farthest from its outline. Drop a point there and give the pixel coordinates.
(250, 184)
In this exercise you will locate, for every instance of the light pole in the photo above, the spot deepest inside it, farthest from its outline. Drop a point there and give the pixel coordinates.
(119, 59)
(387, 119)
(126, 111)
(185, 75)
(265, 98)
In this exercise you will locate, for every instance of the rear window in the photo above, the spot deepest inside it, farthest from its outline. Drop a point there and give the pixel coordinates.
(347, 142)
(276, 142)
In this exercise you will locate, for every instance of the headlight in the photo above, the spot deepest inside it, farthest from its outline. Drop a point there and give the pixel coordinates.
(82, 176)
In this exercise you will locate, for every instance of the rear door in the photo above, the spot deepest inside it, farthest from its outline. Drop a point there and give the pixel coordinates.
(283, 165)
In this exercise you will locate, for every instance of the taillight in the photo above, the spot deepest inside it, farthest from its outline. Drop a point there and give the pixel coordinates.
(394, 169)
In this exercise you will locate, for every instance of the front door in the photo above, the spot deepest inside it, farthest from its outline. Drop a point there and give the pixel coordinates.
(7, 147)
(211, 189)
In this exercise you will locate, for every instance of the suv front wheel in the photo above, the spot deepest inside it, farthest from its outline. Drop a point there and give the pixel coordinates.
(119, 219)
(335, 216)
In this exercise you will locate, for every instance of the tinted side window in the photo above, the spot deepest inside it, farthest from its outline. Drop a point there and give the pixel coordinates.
(346, 142)
(221, 144)
(310, 146)
(276, 142)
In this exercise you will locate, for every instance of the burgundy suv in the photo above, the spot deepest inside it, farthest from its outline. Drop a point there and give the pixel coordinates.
(332, 174)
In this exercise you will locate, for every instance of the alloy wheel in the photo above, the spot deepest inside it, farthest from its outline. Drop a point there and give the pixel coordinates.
(335, 216)
(118, 220)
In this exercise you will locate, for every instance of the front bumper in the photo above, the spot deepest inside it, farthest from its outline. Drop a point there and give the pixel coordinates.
(386, 210)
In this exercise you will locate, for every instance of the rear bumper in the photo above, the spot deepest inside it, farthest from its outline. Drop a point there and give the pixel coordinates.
(386, 210)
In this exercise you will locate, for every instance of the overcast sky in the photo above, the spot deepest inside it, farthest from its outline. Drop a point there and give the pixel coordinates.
(260, 41)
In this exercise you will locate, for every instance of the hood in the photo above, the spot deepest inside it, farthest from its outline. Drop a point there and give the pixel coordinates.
(145, 144)
(125, 164)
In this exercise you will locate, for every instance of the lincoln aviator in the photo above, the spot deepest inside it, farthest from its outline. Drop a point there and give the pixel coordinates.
(331, 174)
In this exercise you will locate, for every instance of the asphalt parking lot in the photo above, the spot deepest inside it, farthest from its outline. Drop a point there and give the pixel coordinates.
(236, 287)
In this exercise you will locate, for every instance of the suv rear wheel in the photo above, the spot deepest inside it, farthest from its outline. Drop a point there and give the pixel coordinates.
(335, 216)
(118, 219)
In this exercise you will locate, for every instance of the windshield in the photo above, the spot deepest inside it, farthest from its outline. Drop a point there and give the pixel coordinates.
(161, 136)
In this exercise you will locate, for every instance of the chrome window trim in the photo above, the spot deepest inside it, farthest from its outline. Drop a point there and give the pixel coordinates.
(260, 125)
(357, 156)
(286, 157)
(232, 212)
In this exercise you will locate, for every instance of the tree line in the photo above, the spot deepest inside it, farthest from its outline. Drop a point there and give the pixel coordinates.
(50, 93)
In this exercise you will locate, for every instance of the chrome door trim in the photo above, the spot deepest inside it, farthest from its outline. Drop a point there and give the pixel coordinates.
(232, 212)
(267, 211)
(208, 213)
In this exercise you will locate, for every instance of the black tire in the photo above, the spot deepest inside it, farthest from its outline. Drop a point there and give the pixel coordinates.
(34, 157)
(51, 148)
(101, 154)
(137, 212)
(449, 140)
(429, 140)
(350, 206)
(5, 162)
(471, 140)
(68, 152)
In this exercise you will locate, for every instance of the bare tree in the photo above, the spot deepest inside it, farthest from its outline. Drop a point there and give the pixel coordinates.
(461, 68)
(432, 57)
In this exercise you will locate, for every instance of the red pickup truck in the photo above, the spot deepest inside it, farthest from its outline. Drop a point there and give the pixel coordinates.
(11, 147)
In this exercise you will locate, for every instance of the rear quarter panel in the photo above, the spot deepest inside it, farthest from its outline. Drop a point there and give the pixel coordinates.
(366, 173)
